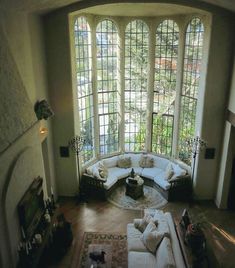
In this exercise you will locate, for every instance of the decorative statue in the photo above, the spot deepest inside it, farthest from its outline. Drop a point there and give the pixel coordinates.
(132, 173)
(43, 110)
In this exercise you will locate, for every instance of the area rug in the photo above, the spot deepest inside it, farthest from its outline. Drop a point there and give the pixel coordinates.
(151, 199)
(113, 244)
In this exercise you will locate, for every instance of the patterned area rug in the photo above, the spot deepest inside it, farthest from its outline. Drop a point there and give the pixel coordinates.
(151, 199)
(113, 244)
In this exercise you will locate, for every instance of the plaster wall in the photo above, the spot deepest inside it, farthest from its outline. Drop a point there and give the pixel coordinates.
(60, 84)
(22, 82)
(19, 165)
(24, 35)
(231, 105)
(215, 100)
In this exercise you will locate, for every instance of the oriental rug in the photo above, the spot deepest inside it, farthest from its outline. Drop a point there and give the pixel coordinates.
(151, 199)
(113, 244)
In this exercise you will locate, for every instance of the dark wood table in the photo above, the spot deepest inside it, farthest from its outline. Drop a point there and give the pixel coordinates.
(135, 191)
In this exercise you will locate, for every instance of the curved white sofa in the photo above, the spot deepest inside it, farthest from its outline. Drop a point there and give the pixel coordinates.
(154, 176)
(140, 257)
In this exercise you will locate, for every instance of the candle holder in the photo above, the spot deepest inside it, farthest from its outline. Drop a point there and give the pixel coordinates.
(76, 145)
(196, 144)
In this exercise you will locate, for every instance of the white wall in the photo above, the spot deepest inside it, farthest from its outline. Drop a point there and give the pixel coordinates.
(23, 81)
(217, 84)
(231, 105)
(60, 84)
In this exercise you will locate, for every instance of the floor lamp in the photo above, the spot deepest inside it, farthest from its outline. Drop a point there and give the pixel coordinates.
(197, 144)
(76, 145)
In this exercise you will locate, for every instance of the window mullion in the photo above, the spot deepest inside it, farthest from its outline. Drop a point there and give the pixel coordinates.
(94, 89)
(121, 86)
(179, 84)
(151, 67)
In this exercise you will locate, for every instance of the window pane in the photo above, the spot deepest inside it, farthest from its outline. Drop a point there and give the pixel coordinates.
(166, 53)
(191, 76)
(136, 72)
(84, 86)
(106, 43)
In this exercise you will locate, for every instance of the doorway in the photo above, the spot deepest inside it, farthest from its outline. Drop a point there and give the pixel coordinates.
(46, 165)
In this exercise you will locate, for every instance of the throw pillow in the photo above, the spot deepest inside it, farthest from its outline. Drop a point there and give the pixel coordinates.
(162, 223)
(164, 255)
(178, 171)
(146, 161)
(169, 172)
(124, 162)
(141, 224)
(103, 171)
(151, 237)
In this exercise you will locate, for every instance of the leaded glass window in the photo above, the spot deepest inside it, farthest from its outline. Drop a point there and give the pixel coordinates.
(191, 76)
(106, 43)
(84, 86)
(136, 73)
(166, 53)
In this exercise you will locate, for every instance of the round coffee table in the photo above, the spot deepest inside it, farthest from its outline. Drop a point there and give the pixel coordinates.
(133, 190)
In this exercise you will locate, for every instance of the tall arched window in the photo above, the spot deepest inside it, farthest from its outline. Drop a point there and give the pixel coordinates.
(191, 76)
(166, 53)
(84, 85)
(136, 73)
(106, 43)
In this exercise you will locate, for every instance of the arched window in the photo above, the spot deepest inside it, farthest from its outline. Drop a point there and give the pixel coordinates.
(84, 85)
(106, 43)
(136, 73)
(191, 76)
(166, 53)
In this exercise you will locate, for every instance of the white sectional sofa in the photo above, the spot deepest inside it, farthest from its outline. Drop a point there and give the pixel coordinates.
(140, 257)
(154, 176)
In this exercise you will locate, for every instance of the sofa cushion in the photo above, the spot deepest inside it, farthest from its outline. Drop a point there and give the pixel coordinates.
(178, 171)
(138, 170)
(119, 172)
(103, 171)
(111, 180)
(141, 260)
(164, 254)
(110, 162)
(151, 173)
(135, 159)
(146, 161)
(124, 162)
(141, 224)
(161, 222)
(160, 180)
(160, 162)
(151, 237)
(169, 172)
(134, 242)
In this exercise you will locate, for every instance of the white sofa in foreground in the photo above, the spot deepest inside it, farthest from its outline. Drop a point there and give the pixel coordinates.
(168, 252)
(159, 172)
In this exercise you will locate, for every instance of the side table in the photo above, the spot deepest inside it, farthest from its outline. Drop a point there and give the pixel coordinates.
(133, 190)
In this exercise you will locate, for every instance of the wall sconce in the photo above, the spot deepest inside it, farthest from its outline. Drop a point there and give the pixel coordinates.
(43, 110)
(43, 130)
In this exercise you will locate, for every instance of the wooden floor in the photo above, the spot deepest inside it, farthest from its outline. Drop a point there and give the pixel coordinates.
(100, 216)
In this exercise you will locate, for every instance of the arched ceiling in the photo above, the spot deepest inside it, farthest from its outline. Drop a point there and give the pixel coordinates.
(141, 10)
(45, 6)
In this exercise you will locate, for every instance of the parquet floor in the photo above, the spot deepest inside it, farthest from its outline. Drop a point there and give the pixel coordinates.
(100, 216)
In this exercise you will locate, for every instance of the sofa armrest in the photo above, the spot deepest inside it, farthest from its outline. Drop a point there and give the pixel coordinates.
(180, 180)
(91, 180)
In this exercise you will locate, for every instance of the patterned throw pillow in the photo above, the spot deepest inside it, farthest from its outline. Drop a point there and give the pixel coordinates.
(146, 161)
(169, 172)
(124, 162)
(103, 171)
(151, 237)
(141, 224)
